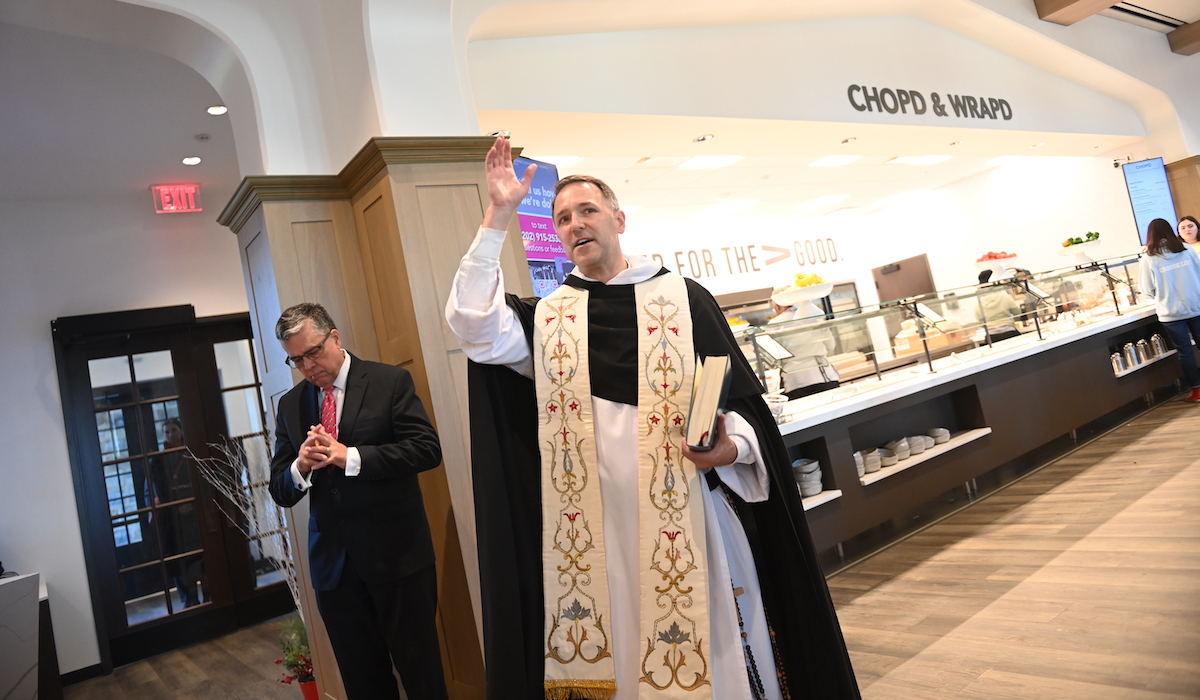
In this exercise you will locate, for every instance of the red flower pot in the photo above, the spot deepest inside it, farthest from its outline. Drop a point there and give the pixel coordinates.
(309, 688)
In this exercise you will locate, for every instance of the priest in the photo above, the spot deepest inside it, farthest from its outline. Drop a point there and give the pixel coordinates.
(617, 562)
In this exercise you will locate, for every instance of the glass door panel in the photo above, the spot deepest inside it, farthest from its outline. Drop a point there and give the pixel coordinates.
(266, 527)
(149, 484)
(155, 375)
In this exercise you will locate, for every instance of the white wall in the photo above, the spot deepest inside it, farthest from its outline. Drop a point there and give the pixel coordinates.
(1026, 206)
(66, 259)
(798, 71)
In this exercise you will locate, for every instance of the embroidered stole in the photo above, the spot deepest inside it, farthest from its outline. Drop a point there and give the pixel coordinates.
(674, 593)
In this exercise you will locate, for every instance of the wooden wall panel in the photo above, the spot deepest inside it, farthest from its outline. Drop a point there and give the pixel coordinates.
(401, 304)
(1184, 177)
(386, 277)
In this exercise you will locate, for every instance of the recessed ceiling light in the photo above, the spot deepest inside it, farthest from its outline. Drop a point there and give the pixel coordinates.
(703, 137)
(821, 202)
(191, 160)
(919, 160)
(560, 161)
(709, 161)
(830, 161)
(217, 110)
(849, 140)
(729, 207)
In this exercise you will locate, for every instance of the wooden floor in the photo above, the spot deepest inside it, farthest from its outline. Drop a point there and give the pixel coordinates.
(240, 666)
(1080, 581)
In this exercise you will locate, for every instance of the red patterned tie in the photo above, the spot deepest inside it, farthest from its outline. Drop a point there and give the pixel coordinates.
(329, 413)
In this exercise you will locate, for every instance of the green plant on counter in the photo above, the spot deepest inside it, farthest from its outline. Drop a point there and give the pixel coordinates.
(1091, 236)
(297, 660)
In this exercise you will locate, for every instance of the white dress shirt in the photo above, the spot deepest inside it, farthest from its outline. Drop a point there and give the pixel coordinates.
(353, 458)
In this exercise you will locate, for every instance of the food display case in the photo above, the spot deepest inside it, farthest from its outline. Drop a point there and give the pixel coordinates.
(859, 343)
(943, 401)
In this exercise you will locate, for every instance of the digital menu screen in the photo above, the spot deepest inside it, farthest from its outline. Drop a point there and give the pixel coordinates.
(548, 262)
(1149, 193)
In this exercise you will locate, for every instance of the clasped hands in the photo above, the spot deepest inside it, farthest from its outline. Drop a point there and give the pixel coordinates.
(320, 450)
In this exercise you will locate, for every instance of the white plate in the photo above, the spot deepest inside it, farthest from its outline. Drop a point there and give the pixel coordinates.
(1078, 247)
(997, 263)
(791, 297)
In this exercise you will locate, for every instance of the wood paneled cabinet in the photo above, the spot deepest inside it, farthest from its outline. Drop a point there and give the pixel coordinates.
(378, 245)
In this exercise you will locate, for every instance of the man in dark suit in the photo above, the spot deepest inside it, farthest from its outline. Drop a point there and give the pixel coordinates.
(355, 435)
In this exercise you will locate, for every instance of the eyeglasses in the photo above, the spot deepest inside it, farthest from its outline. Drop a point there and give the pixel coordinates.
(309, 355)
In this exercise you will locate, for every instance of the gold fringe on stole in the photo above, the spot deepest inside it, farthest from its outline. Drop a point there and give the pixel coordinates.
(579, 689)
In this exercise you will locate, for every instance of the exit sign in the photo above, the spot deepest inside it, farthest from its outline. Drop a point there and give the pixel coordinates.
(176, 199)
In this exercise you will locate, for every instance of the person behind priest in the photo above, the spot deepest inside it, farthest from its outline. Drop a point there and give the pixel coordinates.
(567, 547)
(1189, 230)
(999, 311)
(808, 370)
(1170, 275)
(355, 435)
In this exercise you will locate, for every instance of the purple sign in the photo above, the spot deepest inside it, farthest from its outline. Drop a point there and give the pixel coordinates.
(548, 262)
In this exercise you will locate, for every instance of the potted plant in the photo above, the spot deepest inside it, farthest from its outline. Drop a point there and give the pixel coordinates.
(297, 661)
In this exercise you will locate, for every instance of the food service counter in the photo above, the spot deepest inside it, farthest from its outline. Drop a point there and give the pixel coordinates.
(998, 403)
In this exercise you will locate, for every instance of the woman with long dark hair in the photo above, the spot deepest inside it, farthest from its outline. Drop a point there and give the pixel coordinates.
(1170, 275)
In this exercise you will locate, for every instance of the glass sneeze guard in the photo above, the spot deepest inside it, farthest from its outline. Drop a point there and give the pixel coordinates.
(867, 342)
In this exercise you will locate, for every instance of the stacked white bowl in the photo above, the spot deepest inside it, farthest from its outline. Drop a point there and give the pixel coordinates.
(869, 459)
(808, 476)
(901, 448)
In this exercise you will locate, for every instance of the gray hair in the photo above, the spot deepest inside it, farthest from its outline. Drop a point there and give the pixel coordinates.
(293, 318)
(605, 190)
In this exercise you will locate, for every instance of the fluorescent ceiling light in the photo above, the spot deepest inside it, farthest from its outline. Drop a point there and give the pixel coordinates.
(821, 202)
(217, 110)
(919, 160)
(191, 160)
(709, 161)
(729, 207)
(560, 161)
(830, 161)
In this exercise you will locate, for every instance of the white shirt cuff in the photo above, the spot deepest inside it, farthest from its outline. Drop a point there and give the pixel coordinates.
(298, 479)
(353, 461)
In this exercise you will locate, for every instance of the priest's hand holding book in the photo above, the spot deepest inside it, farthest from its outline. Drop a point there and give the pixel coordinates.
(706, 441)
(723, 453)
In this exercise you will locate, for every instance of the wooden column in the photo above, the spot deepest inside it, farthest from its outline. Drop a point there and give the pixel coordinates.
(378, 244)
(1184, 178)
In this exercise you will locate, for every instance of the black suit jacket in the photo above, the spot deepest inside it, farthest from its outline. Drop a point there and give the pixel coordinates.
(377, 518)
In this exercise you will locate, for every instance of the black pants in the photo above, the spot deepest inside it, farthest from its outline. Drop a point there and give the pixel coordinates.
(372, 627)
